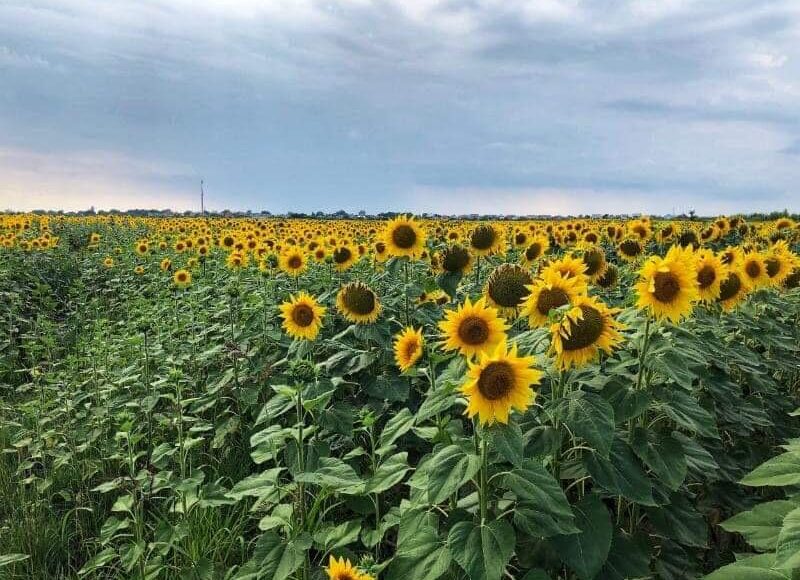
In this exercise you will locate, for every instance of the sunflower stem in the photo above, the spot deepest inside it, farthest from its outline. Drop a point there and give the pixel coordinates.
(483, 482)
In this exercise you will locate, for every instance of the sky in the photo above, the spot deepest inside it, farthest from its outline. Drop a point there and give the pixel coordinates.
(455, 106)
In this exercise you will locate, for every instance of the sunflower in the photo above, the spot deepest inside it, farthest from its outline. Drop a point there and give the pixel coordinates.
(408, 348)
(710, 272)
(732, 256)
(609, 279)
(779, 262)
(486, 240)
(358, 303)
(499, 382)
(551, 290)
(108, 262)
(668, 286)
(302, 316)
(344, 570)
(293, 261)
(793, 279)
(237, 260)
(404, 237)
(595, 260)
(472, 328)
(586, 329)
(507, 287)
(630, 249)
(138, 270)
(535, 250)
(455, 259)
(182, 278)
(569, 266)
(142, 247)
(754, 269)
(733, 289)
(343, 257)
(380, 251)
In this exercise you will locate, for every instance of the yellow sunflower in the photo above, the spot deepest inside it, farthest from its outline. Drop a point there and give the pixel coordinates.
(507, 287)
(569, 266)
(404, 237)
(486, 240)
(630, 249)
(302, 316)
(108, 262)
(343, 570)
(408, 346)
(754, 269)
(551, 290)
(138, 270)
(586, 329)
(472, 328)
(182, 278)
(499, 382)
(732, 256)
(710, 272)
(293, 261)
(343, 256)
(779, 262)
(668, 286)
(536, 249)
(358, 303)
(455, 259)
(733, 289)
(595, 260)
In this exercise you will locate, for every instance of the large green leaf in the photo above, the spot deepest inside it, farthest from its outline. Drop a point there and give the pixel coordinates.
(761, 525)
(680, 521)
(778, 471)
(420, 553)
(333, 473)
(258, 485)
(543, 509)
(591, 417)
(629, 558)
(483, 551)
(507, 440)
(620, 473)
(586, 551)
(448, 470)
(395, 428)
(684, 409)
(389, 473)
(663, 454)
(274, 557)
(787, 552)
(754, 568)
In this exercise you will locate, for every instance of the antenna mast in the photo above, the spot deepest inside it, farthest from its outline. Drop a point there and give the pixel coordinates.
(202, 200)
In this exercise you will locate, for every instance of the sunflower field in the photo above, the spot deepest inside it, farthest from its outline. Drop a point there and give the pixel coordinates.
(360, 399)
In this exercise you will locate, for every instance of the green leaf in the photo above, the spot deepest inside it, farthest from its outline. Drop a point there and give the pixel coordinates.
(395, 428)
(389, 473)
(334, 474)
(754, 568)
(761, 525)
(586, 552)
(332, 537)
(620, 474)
(483, 551)
(591, 417)
(8, 559)
(543, 509)
(663, 454)
(258, 485)
(629, 557)
(273, 557)
(778, 471)
(449, 469)
(680, 521)
(507, 441)
(420, 555)
(787, 552)
(448, 281)
(626, 401)
(684, 409)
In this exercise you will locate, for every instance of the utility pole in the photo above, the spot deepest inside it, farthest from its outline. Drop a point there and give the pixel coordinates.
(202, 200)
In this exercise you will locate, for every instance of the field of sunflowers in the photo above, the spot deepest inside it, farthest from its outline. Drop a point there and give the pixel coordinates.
(243, 398)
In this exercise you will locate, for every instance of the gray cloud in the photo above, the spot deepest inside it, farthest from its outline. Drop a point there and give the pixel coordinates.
(320, 105)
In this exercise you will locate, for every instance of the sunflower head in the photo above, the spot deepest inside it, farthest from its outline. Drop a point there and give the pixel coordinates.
(710, 272)
(595, 260)
(358, 303)
(182, 278)
(507, 287)
(535, 249)
(499, 382)
(302, 316)
(343, 570)
(293, 261)
(343, 257)
(404, 237)
(550, 291)
(754, 269)
(733, 289)
(455, 259)
(609, 279)
(485, 240)
(472, 328)
(586, 329)
(408, 346)
(668, 286)
(630, 249)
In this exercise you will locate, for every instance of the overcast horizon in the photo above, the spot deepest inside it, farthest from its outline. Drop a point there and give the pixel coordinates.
(468, 106)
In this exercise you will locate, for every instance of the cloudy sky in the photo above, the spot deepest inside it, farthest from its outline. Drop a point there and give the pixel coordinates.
(517, 106)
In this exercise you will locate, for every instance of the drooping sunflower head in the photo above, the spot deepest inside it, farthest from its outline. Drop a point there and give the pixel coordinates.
(793, 279)
(609, 279)
(595, 260)
(535, 249)
(689, 238)
(455, 259)
(667, 287)
(507, 287)
(486, 240)
(550, 291)
(499, 382)
(302, 316)
(403, 236)
(293, 261)
(472, 328)
(182, 278)
(710, 272)
(754, 268)
(733, 289)
(630, 249)
(358, 303)
(408, 346)
(343, 570)
(343, 257)
(585, 330)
